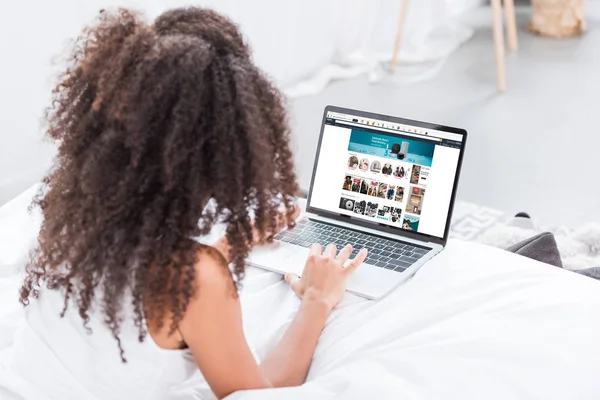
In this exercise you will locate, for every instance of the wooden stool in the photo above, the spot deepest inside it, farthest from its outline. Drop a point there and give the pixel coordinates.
(511, 27)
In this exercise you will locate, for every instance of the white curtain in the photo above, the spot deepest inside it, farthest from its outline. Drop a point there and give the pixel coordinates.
(303, 44)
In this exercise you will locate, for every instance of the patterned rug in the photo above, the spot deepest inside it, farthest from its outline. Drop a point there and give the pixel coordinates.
(472, 221)
(579, 246)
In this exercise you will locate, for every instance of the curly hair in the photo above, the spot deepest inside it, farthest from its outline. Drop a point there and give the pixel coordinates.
(152, 122)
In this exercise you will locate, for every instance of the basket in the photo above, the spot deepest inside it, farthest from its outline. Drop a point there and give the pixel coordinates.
(558, 18)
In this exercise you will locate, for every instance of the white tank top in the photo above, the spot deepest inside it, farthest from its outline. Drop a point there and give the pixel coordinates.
(56, 358)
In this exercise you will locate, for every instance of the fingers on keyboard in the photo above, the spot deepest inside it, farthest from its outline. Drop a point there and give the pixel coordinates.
(383, 253)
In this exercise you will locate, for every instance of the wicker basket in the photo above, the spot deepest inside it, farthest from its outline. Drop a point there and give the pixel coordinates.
(558, 18)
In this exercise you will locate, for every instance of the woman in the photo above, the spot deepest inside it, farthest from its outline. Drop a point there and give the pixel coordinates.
(364, 187)
(390, 193)
(348, 183)
(353, 162)
(151, 122)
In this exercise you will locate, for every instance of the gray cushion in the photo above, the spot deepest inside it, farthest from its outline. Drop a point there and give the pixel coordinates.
(591, 272)
(543, 248)
(540, 247)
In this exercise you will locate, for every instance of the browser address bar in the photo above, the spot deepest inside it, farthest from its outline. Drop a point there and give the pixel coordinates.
(391, 131)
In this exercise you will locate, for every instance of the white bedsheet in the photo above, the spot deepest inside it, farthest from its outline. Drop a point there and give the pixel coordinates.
(476, 322)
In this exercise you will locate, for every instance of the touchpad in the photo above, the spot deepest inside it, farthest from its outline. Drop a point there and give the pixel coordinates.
(271, 255)
(296, 261)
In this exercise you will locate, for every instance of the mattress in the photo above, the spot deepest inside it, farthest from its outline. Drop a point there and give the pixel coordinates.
(475, 322)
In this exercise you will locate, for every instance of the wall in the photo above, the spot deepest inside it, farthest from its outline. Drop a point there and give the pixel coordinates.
(290, 40)
(32, 34)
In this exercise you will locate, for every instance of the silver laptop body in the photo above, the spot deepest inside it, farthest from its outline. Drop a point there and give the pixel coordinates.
(380, 182)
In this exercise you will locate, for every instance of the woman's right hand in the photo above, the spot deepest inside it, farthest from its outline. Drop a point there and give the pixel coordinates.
(325, 274)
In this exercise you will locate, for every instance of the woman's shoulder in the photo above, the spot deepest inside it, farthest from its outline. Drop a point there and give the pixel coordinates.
(212, 267)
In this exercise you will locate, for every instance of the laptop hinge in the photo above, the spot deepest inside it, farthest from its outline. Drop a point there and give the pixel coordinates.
(375, 232)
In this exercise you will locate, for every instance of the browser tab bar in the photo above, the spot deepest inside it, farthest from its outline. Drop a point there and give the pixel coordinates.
(393, 126)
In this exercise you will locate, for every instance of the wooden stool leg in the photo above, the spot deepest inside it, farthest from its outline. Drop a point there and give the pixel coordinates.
(499, 44)
(401, 20)
(511, 24)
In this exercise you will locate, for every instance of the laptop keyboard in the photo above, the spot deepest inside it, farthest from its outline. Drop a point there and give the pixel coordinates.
(383, 252)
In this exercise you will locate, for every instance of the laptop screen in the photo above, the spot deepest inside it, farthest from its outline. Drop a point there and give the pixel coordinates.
(386, 173)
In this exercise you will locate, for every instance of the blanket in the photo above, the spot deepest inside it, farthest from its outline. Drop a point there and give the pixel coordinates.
(475, 322)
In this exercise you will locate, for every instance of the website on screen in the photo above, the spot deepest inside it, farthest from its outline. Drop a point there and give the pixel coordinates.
(387, 173)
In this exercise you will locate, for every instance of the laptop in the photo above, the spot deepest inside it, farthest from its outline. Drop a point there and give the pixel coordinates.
(384, 183)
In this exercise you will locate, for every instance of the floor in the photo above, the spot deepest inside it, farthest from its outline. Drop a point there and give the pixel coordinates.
(534, 148)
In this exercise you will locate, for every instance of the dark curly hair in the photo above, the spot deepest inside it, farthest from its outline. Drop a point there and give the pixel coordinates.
(153, 121)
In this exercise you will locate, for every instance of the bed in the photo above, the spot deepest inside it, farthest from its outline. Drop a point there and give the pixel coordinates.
(475, 322)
